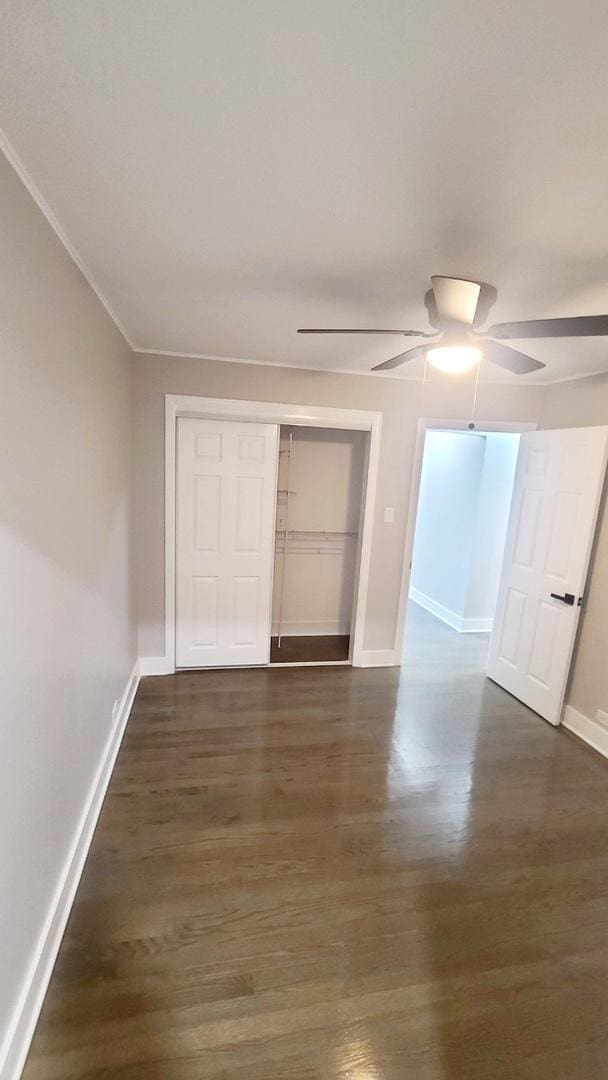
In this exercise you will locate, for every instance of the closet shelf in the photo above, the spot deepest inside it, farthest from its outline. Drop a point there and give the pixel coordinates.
(312, 533)
(323, 542)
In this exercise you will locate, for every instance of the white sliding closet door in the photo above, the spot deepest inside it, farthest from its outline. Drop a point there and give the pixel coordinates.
(226, 486)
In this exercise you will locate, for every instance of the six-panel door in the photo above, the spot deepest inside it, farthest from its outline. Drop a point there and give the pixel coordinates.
(556, 495)
(226, 494)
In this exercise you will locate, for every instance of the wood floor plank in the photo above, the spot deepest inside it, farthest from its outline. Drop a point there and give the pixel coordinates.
(339, 873)
(299, 649)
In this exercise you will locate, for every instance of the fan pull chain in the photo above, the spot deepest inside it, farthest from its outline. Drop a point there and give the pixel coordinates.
(476, 389)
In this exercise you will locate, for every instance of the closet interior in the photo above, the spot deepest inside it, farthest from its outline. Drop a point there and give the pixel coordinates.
(319, 497)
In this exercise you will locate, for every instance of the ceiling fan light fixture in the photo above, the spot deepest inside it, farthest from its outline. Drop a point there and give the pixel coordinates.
(453, 359)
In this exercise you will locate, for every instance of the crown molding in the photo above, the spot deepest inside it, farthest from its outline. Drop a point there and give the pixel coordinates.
(13, 158)
(323, 370)
(353, 371)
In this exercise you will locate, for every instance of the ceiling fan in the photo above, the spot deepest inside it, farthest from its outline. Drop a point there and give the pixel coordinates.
(456, 308)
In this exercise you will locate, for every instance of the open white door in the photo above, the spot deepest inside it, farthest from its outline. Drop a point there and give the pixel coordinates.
(556, 495)
(226, 495)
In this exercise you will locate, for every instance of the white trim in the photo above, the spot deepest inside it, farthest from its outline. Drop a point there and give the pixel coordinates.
(21, 1029)
(477, 626)
(435, 608)
(12, 156)
(452, 618)
(587, 729)
(428, 424)
(379, 658)
(391, 374)
(271, 412)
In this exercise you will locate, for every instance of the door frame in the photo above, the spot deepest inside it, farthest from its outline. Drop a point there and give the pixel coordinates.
(270, 412)
(513, 427)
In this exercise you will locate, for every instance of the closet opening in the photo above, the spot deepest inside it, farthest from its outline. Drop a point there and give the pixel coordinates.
(317, 542)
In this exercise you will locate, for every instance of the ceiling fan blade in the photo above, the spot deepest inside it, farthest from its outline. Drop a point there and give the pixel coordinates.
(402, 358)
(509, 358)
(405, 333)
(578, 326)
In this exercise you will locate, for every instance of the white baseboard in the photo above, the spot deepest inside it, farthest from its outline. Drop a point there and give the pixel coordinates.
(476, 626)
(21, 1029)
(155, 665)
(379, 658)
(457, 622)
(588, 730)
(310, 629)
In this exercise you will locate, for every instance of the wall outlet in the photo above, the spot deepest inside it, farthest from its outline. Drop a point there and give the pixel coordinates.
(115, 712)
(602, 718)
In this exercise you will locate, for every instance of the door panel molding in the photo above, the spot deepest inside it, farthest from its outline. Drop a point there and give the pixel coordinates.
(225, 518)
(556, 495)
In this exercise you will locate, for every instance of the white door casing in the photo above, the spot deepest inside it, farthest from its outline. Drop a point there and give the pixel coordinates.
(556, 495)
(226, 496)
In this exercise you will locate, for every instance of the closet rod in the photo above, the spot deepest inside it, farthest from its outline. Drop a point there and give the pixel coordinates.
(326, 534)
(287, 494)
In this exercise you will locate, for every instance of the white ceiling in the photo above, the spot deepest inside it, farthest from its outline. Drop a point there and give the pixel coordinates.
(229, 170)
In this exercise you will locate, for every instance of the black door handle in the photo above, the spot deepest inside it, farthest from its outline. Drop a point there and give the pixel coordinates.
(567, 598)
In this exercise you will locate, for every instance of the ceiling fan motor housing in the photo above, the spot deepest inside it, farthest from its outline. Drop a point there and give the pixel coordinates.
(456, 299)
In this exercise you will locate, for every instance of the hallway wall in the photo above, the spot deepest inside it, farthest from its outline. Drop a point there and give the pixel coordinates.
(490, 534)
(463, 510)
(447, 510)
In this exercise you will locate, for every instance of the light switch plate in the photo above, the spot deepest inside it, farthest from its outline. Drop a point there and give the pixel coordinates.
(389, 514)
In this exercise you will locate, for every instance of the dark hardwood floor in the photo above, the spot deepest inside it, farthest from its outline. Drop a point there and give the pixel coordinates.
(306, 874)
(298, 649)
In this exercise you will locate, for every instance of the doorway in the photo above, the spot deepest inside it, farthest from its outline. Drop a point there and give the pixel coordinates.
(466, 485)
(540, 559)
(318, 516)
(366, 427)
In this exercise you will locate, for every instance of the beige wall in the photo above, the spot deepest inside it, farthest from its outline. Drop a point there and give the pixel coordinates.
(67, 627)
(401, 403)
(577, 404)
